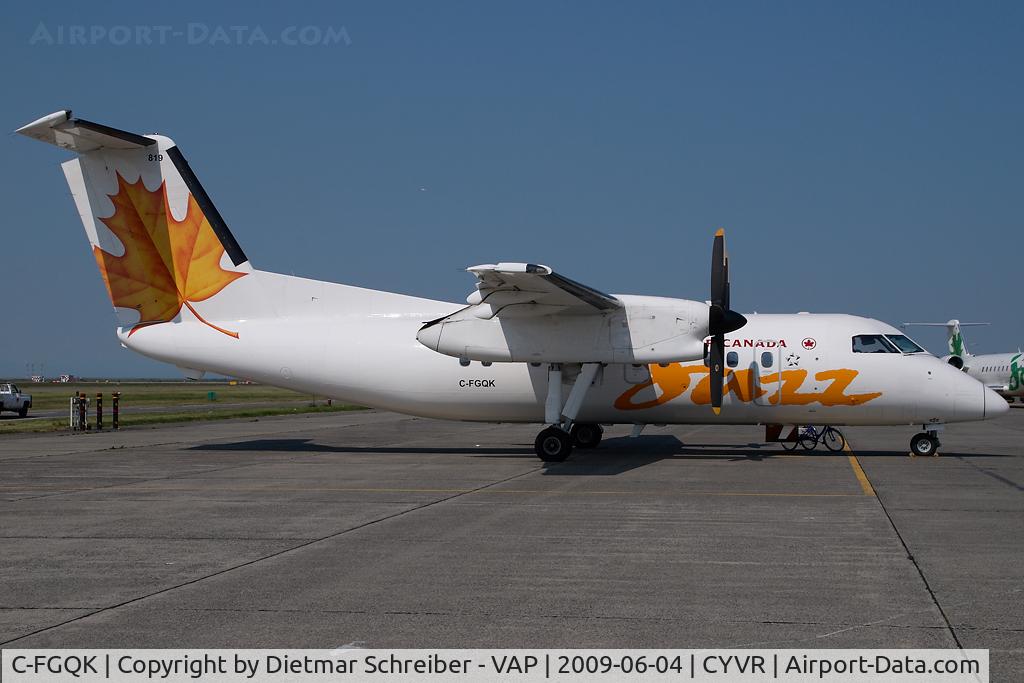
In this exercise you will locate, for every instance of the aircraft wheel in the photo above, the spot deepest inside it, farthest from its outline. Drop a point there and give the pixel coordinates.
(553, 445)
(924, 444)
(586, 434)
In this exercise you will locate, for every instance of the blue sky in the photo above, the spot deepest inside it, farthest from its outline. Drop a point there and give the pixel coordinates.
(863, 157)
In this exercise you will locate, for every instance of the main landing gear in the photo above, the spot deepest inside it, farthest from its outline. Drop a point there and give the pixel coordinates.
(586, 434)
(927, 442)
(555, 443)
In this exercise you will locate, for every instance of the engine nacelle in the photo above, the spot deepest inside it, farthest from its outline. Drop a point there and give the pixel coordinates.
(645, 330)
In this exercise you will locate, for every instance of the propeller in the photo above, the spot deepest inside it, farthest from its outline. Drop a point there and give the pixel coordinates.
(721, 318)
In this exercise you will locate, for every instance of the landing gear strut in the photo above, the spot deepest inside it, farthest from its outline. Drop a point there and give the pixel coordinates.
(925, 443)
(555, 443)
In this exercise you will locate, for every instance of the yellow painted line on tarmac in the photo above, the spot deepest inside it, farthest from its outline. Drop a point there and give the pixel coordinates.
(865, 485)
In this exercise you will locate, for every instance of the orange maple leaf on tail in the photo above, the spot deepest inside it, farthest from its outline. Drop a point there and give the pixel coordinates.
(166, 263)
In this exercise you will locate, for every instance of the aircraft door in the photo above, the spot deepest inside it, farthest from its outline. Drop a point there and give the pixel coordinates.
(765, 366)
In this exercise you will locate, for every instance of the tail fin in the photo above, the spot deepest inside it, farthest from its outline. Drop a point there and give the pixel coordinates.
(954, 338)
(159, 241)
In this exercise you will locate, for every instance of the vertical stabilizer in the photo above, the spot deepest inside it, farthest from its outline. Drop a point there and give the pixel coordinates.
(160, 243)
(955, 339)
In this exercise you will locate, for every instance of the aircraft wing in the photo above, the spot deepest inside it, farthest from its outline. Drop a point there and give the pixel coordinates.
(523, 312)
(518, 290)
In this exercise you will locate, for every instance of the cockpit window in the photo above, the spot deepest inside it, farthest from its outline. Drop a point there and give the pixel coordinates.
(904, 343)
(873, 343)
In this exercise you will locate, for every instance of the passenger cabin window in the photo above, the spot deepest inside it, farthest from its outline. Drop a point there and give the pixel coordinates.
(904, 343)
(732, 359)
(766, 359)
(873, 343)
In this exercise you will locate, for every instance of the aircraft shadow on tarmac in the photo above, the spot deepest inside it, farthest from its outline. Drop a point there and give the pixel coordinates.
(615, 455)
(622, 454)
(308, 446)
(943, 453)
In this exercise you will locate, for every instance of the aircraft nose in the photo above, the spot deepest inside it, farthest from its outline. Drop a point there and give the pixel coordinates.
(995, 405)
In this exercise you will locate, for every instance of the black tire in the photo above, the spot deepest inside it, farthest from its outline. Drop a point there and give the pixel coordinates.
(586, 434)
(834, 439)
(924, 444)
(553, 445)
(23, 411)
(790, 445)
(808, 442)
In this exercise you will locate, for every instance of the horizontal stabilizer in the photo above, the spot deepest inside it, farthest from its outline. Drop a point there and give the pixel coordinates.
(949, 323)
(79, 135)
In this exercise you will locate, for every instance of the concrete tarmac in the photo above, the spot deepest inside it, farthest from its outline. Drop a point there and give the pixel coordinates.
(389, 531)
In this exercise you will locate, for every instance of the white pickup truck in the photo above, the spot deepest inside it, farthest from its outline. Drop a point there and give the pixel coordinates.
(13, 400)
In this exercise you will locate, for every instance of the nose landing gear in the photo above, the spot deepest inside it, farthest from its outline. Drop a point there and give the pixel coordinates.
(925, 443)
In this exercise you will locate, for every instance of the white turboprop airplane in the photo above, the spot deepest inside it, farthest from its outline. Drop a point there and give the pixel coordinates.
(1001, 372)
(530, 346)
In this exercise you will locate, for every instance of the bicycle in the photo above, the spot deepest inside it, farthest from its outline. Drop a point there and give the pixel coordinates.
(810, 437)
(791, 445)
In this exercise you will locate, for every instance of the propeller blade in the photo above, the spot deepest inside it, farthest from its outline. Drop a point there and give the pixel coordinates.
(719, 272)
(716, 361)
(721, 318)
(728, 284)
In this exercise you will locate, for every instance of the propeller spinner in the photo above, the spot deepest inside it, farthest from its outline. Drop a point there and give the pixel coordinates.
(721, 318)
